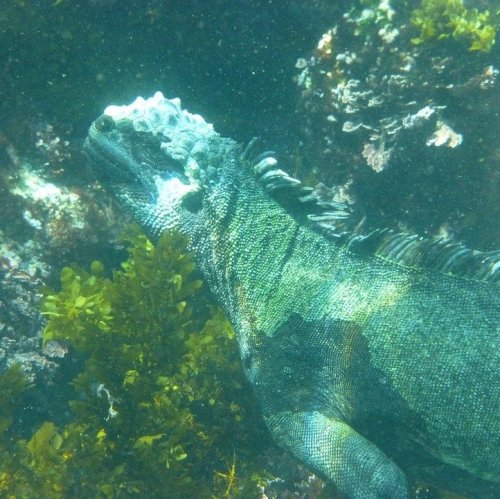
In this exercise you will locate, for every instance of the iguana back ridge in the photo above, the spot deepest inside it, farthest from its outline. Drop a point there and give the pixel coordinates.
(374, 358)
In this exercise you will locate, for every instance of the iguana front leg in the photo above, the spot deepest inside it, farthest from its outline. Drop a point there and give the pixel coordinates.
(337, 452)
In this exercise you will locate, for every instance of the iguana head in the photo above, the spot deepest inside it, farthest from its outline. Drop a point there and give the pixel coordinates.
(157, 159)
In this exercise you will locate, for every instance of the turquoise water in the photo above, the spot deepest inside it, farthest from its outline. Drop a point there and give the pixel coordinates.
(393, 105)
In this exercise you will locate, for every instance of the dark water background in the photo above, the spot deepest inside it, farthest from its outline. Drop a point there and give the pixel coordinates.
(235, 63)
(254, 68)
(230, 61)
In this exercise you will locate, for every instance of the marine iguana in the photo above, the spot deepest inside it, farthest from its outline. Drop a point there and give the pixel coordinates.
(374, 358)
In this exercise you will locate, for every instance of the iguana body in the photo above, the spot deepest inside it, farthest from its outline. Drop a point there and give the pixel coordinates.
(371, 367)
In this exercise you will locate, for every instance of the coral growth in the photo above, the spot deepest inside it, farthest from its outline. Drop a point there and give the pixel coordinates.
(402, 119)
(160, 408)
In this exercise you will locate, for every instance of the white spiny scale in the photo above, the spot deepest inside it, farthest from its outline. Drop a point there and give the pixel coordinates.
(271, 174)
(265, 165)
(171, 190)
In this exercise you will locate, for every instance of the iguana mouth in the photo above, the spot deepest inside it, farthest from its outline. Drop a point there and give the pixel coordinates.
(106, 157)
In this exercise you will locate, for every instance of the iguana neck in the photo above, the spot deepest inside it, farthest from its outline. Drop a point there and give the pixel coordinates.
(243, 249)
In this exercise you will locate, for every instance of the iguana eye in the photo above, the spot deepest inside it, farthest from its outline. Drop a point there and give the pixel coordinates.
(104, 124)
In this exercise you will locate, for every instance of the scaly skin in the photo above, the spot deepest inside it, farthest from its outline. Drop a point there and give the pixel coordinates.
(372, 372)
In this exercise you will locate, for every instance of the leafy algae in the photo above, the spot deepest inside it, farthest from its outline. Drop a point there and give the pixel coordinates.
(444, 19)
(161, 407)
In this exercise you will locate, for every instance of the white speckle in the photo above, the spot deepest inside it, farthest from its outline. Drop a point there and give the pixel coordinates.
(426, 112)
(301, 63)
(36, 224)
(387, 34)
(377, 157)
(418, 118)
(349, 126)
(444, 136)
(385, 7)
(172, 190)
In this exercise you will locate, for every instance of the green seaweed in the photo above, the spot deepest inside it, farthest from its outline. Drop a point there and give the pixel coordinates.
(13, 383)
(161, 407)
(445, 19)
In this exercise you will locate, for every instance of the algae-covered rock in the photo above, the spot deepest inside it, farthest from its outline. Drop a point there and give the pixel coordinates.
(399, 111)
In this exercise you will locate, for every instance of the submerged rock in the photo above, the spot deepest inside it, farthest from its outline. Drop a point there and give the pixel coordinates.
(409, 127)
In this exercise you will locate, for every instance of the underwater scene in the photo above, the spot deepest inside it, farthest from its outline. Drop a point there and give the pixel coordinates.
(250, 249)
